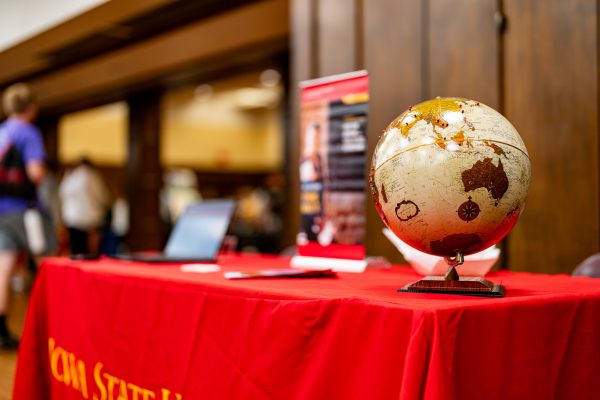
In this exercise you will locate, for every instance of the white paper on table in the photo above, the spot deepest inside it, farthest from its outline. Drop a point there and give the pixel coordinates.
(200, 268)
(477, 264)
(336, 264)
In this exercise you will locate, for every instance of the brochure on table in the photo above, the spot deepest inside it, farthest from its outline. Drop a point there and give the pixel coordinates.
(333, 144)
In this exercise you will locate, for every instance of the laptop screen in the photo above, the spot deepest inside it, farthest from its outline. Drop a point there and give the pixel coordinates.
(200, 230)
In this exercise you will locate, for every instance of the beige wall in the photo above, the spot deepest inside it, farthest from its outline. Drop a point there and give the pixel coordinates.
(223, 131)
(231, 129)
(99, 133)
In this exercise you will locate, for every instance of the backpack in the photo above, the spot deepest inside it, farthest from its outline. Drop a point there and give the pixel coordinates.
(14, 181)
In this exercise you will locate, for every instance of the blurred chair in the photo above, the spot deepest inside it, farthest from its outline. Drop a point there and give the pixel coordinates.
(589, 267)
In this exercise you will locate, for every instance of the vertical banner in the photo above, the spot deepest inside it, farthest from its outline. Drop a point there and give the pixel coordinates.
(333, 144)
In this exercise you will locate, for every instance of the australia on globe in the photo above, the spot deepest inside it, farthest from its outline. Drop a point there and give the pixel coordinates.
(450, 176)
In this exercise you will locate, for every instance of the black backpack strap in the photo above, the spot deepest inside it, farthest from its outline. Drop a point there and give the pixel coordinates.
(14, 181)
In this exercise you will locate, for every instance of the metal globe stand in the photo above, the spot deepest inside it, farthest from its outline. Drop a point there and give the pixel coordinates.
(452, 283)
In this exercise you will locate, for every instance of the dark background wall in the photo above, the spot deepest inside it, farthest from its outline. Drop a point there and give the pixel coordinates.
(534, 61)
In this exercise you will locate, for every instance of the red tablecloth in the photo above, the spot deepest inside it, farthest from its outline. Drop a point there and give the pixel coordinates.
(119, 330)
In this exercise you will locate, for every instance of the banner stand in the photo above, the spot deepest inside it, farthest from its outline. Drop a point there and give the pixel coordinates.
(333, 145)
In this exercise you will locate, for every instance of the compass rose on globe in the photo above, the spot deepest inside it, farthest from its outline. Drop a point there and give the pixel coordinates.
(449, 177)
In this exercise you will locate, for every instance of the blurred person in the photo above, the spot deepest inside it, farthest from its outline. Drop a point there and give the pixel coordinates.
(48, 194)
(256, 225)
(50, 201)
(115, 227)
(22, 158)
(84, 202)
(180, 190)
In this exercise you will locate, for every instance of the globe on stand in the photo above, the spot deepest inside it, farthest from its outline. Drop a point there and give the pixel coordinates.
(449, 177)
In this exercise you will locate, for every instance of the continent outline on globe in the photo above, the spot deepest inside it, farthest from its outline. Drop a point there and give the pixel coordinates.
(463, 166)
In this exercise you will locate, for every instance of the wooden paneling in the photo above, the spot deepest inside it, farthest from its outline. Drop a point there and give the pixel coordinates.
(392, 45)
(326, 39)
(303, 41)
(144, 175)
(551, 92)
(303, 46)
(337, 36)
(247, 26)
(463, 56)
(49, 128)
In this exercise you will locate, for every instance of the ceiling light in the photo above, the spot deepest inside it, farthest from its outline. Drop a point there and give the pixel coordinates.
(203, 92)
(270, 77)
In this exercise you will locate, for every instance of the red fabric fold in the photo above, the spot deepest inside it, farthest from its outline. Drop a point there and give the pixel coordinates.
(204, 337)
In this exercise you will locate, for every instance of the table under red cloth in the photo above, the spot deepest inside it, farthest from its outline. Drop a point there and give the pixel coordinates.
(121, 330)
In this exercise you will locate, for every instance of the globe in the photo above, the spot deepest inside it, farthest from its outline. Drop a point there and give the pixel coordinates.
(449, 176)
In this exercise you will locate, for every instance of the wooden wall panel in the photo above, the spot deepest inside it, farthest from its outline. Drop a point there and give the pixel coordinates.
(144, 174)
(337, 30)
(324, 41)
(542, 73)
(393, 43)
(551, 92)
(49, 128)
(303, 46)
(463, 50)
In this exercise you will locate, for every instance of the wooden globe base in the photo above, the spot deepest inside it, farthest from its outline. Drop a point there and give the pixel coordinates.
(451, 283)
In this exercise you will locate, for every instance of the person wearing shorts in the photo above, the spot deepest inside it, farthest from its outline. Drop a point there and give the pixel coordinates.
(22, 157)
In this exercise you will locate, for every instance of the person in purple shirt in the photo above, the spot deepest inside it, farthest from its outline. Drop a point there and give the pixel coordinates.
(22, 167)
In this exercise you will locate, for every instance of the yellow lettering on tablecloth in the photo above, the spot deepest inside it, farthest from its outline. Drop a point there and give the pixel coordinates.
(123, 391)
(99, 383)
(110, 384)
(135, 391)
(166, 395)
(54, 355)
(66, 368)
(72, 373)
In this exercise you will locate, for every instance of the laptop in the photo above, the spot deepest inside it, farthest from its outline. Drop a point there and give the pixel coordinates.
(196, 237)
